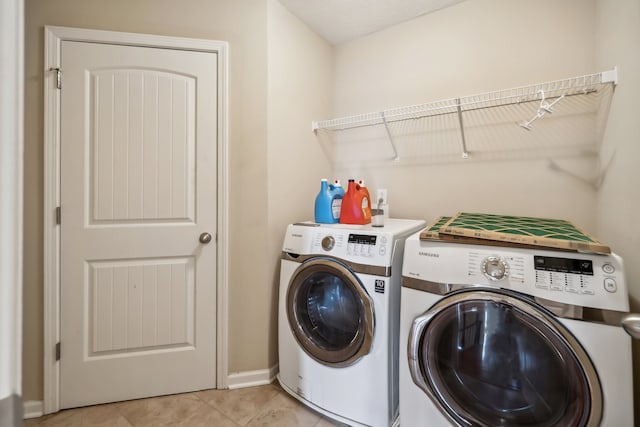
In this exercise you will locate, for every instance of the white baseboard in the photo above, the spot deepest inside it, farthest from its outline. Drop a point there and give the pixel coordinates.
(252, 378)
(33, 409)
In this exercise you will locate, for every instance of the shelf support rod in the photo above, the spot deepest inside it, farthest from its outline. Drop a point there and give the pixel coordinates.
(393, 145)
(465, 153)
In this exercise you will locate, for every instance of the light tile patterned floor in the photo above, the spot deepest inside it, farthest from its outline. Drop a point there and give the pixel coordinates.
(260, 406)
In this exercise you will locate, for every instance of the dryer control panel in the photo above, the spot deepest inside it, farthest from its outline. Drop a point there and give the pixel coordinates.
(364, 248)
(360, 244)
(588, 280)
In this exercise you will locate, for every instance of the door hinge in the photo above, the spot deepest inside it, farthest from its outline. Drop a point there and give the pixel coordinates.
(58, 76)
(58, 215)
(58, 350)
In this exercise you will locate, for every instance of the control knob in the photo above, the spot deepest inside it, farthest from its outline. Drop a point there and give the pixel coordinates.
(495, 268)
(328, 242)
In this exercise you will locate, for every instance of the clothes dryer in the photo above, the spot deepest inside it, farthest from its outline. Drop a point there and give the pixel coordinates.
(339, 313)
(509, 336)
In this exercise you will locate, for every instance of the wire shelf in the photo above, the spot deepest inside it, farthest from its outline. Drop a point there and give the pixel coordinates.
(507, 102)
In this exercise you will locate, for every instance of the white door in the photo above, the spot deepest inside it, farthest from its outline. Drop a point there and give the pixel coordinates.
(138, 190)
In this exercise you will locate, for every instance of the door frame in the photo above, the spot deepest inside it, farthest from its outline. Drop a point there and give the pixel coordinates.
(54, 36)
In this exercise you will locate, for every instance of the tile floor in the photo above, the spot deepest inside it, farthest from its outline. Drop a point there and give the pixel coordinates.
(260, 406)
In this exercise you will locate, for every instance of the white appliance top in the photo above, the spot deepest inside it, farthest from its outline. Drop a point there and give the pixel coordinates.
(580, 279)
(362, 244)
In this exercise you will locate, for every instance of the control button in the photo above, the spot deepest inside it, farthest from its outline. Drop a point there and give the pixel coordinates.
(587, 292)
(494, 268)
(542, 286)
(328, 243)
(572, 290)
(610, 285)
(383, 250)
(557, 288)
(608, 268)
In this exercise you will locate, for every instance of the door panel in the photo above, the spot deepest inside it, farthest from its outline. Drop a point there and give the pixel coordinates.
(142, 125)
(138, 187)
(127, 301)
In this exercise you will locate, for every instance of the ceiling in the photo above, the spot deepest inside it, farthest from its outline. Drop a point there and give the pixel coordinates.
(340, 21)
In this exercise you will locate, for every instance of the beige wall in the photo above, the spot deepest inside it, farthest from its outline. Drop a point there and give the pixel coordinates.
(300, 82)
(243, 25)
(618, 205)
(472, 47)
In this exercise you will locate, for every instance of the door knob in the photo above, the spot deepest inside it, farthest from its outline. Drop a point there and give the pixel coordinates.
(205, 238)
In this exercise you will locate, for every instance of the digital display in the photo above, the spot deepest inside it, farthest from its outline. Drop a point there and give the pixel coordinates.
(563, 265)
(362, 239)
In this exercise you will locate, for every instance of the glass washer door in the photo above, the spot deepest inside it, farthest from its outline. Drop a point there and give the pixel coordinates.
(491, 358)
(330, 313)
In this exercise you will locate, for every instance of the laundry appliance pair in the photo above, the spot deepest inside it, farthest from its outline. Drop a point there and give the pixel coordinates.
(339, 314)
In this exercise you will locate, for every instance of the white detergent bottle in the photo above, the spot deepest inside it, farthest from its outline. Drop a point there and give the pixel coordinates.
(336, 204)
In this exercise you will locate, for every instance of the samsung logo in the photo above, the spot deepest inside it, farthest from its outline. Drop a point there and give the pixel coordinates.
(429, 254)
(296, 235)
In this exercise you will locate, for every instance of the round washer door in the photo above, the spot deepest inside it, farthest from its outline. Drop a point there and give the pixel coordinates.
(491, 358)
(330, 313)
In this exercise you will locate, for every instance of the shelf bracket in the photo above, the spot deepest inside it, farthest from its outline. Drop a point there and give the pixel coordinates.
(465, 153)
(610, 76)
(594, 181)
(393, 145)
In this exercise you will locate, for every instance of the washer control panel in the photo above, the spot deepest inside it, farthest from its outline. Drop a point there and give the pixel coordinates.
(552, 275)
(583, 279)
(560, 274)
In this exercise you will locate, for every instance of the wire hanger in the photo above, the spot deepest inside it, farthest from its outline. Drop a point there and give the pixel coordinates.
(543, 109)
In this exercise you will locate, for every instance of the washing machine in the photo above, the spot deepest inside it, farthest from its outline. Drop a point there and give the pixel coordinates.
(339, 313)
(500, 336)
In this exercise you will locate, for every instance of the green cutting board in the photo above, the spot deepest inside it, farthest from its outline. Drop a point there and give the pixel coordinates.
(541, 232)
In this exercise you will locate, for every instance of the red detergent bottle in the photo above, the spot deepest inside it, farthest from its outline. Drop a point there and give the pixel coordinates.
(356, 206)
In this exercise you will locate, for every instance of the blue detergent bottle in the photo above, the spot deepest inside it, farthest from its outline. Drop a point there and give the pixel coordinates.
(324, 200)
